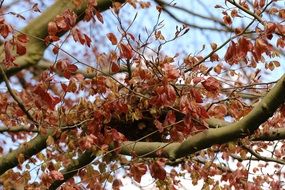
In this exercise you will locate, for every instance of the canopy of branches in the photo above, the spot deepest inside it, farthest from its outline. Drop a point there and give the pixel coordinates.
(95, 90)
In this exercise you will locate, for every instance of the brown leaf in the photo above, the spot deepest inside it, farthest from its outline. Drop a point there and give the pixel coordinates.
(227, 20)
(112, 38)
(157, 170)
(126, 51)
(52, 28)
(137, 171)
(115, 67)
(99, 17)
(211, 84)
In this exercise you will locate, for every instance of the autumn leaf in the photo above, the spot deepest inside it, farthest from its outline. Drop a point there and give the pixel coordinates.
(20, 49)
(9, 57)
(115, 67)
(214, 46)
(5, 29)
(218, 68)
(211, 84)
(117, 183)
(49, 100)
(137, 171)
(157, 170)
(231, 53)
(52, 28)
(227, 20)
(99, 17)
(112, 38)
(126, 51)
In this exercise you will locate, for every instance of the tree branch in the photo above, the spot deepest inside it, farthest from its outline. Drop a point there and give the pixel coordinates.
(28, 149)
(245, 127)
(18, 129)
(37, 30)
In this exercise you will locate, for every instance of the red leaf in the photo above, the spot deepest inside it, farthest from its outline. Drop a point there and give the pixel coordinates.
(230, 56)
(115, 67)
(112, 38)
(244, 46)
(72, 68)
(218, 68)
(5, 29)
(87, 40)
(55, 49)
(64, 87)
(171, 72)
(72, 87)
(270, 27)
(281, 28)
(131, 36)
(214, 57)
(126, 51)
(9, 58)
(99, 17)
(282, 13)
(211, 84)
(23, 38)
(196, 80)
(261, 46)
(61, 65)
(157, 170)
(137, 171)
(61, 23)
(46, 97)
(20, 48)
(117, 184)
(52, 28)
(281, 42)
(197, 95)
(77, 36)
(227, 20)
(51, 38)
(262, 3)
(214, 46)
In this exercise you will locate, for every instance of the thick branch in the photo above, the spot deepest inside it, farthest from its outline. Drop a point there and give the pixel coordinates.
(26, 149)
(245, 127)
(37, 30)
(18, 129)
